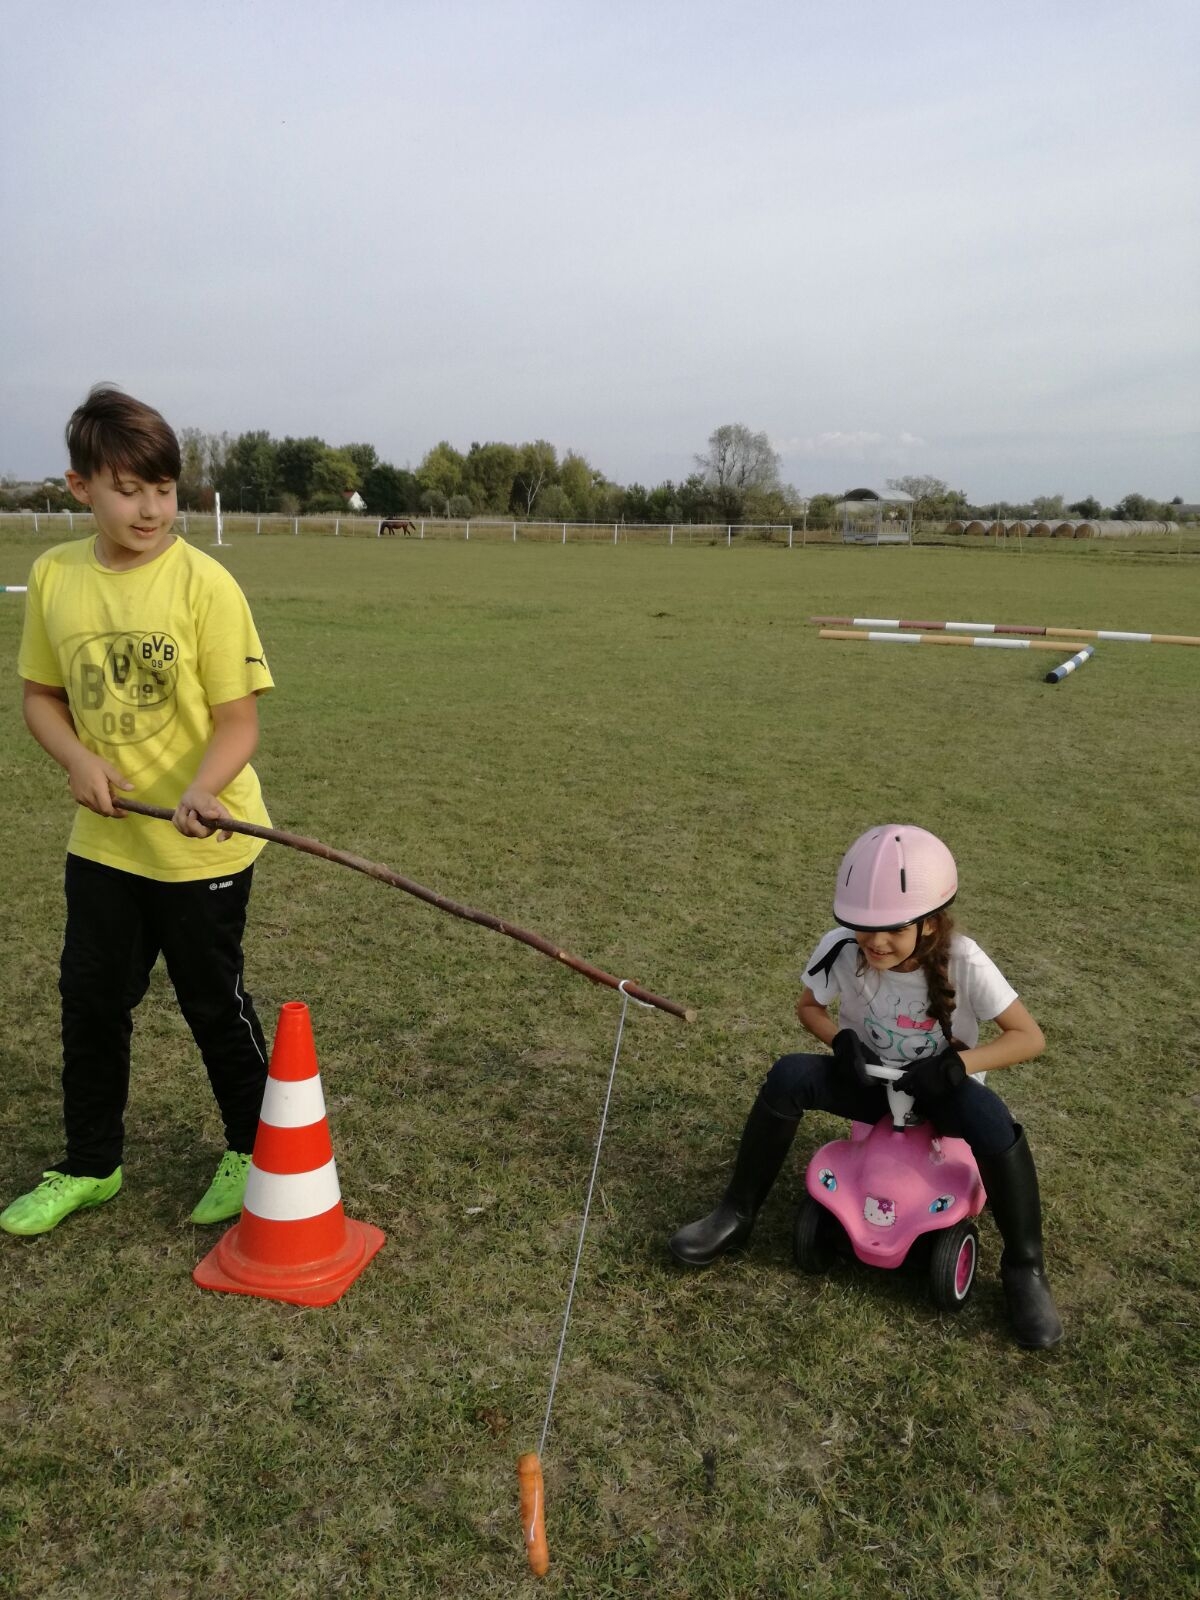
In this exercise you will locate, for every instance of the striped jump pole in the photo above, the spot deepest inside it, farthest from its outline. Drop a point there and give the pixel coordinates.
(985, 643)
(1126, 638)
(925, 627)
(1068, 667)
(14, 588)
(1005, 628)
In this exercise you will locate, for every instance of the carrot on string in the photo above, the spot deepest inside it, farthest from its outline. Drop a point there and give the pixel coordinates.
(529, 1466)
(533, 1512)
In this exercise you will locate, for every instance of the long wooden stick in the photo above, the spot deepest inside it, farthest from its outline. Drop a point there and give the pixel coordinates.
(314, 847)
(1006, 627)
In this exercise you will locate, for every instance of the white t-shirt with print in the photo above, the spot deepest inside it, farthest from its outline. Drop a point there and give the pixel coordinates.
(890, 1010)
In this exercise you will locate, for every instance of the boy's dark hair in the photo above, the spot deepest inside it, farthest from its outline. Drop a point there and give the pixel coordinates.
(111, 429)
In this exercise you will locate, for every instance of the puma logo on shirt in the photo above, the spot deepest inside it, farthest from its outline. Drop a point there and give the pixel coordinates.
(262, 661)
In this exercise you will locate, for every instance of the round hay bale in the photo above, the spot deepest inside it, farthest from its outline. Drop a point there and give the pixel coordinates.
(955, 526)
(1063, 530)
(1128, 530)
(1020, 529)
(1040, 530)
(1085, 530)
(996, 530)
(975, 527)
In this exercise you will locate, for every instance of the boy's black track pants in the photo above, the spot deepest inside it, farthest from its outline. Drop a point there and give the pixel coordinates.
(117, 926)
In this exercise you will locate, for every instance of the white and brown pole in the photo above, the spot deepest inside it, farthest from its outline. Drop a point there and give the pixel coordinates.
(909, 625)
(986, 643)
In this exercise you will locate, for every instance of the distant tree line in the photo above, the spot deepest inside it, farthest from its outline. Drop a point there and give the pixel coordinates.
(736, 480)
(936, 501)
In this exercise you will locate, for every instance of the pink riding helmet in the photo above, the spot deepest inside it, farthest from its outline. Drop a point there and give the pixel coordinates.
(892, 876)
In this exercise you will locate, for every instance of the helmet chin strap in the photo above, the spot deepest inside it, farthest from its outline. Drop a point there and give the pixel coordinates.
(824, 967)
(924, 942)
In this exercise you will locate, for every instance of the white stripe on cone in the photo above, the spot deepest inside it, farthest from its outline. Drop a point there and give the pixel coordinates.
(294, 1103)
(291, 1196)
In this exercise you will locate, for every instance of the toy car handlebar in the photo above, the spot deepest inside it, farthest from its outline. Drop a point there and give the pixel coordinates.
(885, 1074)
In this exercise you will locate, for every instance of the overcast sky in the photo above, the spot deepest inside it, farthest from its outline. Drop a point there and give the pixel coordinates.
(946, 238)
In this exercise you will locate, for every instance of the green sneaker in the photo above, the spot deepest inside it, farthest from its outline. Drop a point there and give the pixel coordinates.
(223, 1197)
(54, 1198)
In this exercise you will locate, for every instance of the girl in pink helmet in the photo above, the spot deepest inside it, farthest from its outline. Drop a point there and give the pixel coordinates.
(909, 992)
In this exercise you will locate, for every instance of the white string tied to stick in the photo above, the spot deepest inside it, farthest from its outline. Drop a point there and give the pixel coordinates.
(626, 997)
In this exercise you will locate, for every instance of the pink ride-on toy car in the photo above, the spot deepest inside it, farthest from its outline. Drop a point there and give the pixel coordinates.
(887, 1186)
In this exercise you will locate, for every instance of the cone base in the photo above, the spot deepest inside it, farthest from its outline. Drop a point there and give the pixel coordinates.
(229, 1270)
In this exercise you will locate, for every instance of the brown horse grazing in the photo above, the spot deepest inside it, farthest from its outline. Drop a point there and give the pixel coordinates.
(395, 525)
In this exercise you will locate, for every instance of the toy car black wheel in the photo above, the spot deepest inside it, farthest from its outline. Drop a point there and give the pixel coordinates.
(952, 1266)
(815, 1238)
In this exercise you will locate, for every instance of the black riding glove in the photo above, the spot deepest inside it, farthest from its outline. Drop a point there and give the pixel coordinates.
(852, 1056)
(935, 1077)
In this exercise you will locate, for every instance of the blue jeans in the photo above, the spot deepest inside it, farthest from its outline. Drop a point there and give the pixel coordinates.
(800, 1083)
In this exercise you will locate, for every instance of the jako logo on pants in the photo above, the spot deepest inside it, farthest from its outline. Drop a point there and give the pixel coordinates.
(227, 883)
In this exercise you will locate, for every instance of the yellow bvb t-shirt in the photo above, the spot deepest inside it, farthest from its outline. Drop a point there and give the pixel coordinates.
(143, 655)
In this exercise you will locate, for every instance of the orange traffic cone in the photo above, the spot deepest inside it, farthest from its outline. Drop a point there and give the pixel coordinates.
(293, 1242)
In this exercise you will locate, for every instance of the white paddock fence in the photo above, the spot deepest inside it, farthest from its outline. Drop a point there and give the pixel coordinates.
(53, 525)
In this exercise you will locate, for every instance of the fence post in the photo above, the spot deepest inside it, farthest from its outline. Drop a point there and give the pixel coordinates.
(671, 540)
(185, 524)
(422, 527)
(468, 530)
(789, 536)
(295, 526)
(337, 526)
(71, 521)
(258, 524)
(564, 533)
(514, 533)
(728, 537)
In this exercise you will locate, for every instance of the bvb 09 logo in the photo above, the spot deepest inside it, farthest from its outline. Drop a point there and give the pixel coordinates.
(123, 685)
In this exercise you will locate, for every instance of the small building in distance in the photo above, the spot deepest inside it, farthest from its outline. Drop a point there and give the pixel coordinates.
(876, 516)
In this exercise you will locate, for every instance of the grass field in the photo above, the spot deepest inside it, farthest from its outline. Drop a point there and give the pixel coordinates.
(647, 755)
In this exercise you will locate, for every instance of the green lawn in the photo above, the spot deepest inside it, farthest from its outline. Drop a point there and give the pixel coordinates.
(647, 755)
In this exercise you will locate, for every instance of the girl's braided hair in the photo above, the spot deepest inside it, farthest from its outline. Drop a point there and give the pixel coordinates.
(933, 952)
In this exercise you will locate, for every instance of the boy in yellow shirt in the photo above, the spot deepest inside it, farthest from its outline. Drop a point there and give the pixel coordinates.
(141, 668)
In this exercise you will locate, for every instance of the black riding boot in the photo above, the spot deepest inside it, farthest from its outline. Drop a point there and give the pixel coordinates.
(1012, 1190)
(766, 1141)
